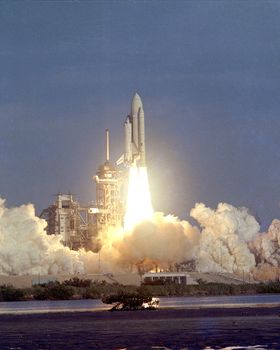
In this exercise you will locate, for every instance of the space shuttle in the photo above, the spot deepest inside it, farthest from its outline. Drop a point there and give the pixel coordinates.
(134, 135)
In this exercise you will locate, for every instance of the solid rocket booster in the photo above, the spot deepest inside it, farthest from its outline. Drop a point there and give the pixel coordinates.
(141, 137)
(128, 138)
(134, 129)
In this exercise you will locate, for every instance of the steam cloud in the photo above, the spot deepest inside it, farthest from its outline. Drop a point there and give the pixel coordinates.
(229, 241)
(161, 241)
(25, 248)
(266, 248)
(224, 238)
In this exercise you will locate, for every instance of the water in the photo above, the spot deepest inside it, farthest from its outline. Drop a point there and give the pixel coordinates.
(30, 307)
(225, 301)
(180, 323)
(163, 329)
(36, 307)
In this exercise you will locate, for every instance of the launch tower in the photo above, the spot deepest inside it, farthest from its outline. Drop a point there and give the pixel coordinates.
(109, 209)
(72, 222)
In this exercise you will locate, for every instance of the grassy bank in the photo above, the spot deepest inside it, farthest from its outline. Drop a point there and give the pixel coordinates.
(87, 289)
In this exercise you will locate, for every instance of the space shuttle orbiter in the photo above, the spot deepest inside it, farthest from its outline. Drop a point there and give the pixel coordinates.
(134, 131)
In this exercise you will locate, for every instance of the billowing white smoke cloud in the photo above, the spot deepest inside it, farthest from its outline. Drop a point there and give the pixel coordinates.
(224, 238)
(25, 248)
(229, 241)
(162, 242)
(266, 248)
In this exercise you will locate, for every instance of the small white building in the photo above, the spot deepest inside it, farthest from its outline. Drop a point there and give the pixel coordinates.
(172, 277)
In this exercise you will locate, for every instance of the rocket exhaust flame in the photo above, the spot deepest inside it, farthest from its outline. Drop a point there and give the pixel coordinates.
(138, 203)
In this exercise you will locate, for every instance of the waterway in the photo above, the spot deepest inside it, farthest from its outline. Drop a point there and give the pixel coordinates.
(89, 305)
(207, 323)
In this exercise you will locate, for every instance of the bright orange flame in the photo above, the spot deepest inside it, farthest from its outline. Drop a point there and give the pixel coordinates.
(138, 203)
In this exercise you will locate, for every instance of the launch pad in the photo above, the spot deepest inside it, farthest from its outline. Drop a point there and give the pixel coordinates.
(79, 225)
(119, 231)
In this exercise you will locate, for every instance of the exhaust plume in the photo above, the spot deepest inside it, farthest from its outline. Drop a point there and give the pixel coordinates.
(25, 248)
(138, 202)
(161, 241)
(225, 234)
(228, 242)
(266, 248)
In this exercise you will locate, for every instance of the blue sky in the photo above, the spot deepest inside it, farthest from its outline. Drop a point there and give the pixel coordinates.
(208, 73)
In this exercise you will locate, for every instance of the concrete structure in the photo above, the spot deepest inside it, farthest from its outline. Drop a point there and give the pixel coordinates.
(172, 277)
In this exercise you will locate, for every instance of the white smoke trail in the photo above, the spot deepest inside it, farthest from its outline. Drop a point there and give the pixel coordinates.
(25, 248)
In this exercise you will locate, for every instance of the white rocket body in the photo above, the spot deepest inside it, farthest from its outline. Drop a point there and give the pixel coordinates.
(128, 138)
(134, 128)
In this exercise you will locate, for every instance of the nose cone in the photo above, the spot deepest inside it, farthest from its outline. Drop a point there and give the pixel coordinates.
(136, 104)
